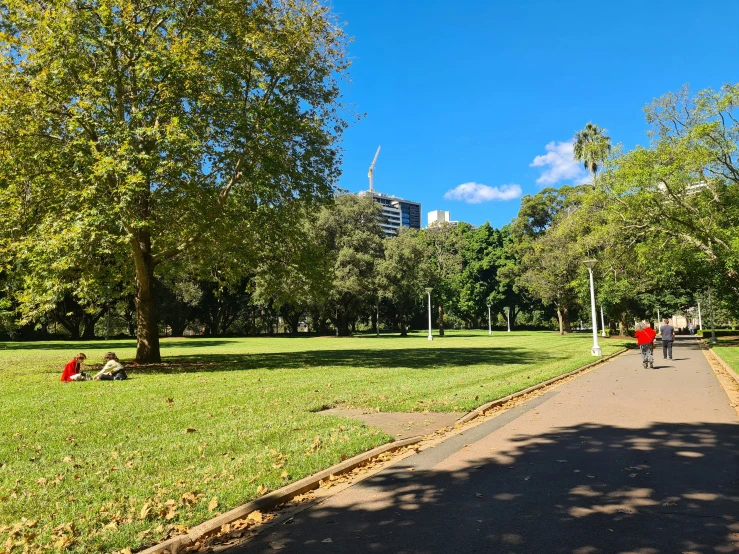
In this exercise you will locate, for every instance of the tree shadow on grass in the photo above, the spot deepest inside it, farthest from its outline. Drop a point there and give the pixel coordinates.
(413, 358)
(585, 489)
(82, 345)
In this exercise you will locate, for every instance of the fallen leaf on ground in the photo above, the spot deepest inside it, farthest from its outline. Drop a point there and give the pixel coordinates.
(190, 430)
(213, 504)
(327, 540)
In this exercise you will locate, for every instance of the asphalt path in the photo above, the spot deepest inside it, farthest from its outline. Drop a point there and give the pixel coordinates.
(622, 459)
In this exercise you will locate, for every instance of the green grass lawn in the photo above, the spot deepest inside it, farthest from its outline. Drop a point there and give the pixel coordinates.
(728, 349)
(99, 466)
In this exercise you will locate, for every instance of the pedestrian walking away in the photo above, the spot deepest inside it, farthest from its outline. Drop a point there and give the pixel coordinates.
(668, 337)
(645, 339)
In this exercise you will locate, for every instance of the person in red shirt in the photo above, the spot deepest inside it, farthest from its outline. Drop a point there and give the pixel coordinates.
(645, 339)
(72, 369)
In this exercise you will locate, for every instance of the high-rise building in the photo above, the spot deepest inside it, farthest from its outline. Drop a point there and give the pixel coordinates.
(397, 212)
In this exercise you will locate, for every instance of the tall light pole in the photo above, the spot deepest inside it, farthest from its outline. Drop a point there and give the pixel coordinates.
(508, 317)
(710, 314)
(595, 351)
(428, 291)
(700, 320)
(602, 323)
(490, 324)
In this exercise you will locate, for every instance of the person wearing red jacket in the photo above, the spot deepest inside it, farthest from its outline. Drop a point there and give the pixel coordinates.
(72, 369)
(645, 339)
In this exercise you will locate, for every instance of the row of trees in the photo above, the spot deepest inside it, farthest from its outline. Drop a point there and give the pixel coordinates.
(661, 220)
(175, 163)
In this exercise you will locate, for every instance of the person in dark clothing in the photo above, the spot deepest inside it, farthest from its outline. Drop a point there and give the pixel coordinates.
(668, 337)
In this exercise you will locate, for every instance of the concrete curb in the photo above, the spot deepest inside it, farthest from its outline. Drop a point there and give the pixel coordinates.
(500, 401)
(730, 370)
(275, 498)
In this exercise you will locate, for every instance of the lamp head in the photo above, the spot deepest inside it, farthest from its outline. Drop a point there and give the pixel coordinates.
(589, 263)
(428, 290)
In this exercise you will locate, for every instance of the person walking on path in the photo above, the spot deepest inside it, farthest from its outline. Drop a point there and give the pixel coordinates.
(645, 339)
(668, 337)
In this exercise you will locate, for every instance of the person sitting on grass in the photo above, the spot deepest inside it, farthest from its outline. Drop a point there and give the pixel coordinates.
(645, 339)
(112, 370)
(72, 369)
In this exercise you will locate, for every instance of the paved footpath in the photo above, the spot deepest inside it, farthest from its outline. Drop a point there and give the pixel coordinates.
(622, 459)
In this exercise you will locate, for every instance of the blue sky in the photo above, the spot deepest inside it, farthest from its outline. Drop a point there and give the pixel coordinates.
(470, 91)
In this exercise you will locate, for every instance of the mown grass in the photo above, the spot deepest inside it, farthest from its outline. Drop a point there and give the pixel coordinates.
(99, 466)
(728, 349)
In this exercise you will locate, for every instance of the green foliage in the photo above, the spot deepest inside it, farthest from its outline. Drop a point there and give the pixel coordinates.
(159, 131)
(403, 274)
(591, 147)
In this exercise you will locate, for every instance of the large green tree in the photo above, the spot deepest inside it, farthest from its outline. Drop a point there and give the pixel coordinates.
(350, 241)
(445, 243)
(147, 131)
(403, 274)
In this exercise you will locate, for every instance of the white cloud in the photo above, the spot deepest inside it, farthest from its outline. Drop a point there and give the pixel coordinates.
(559, 165)
(475, 193)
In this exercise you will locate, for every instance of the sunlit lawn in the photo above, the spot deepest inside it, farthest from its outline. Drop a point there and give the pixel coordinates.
(98, 466)
(728, 349)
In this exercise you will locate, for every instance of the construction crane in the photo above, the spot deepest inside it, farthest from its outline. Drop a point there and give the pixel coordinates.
(371, 171)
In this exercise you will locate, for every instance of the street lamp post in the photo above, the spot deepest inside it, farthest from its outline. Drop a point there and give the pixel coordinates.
(710, 315)
(700, 320)
(490, 324)
(428, 291)
(595, 351)
(602, 323)
(508, 317)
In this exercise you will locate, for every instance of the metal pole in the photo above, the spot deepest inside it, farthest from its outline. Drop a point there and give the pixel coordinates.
(377, 318)
(595, 351)
(710, 314)
(490, 324)
(508, 317)
(602, 323)
(431, 337)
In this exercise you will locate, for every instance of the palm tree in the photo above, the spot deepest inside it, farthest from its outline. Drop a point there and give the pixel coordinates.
(591, 147)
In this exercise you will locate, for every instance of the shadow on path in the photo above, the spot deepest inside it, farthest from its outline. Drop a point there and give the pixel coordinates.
(586, 489)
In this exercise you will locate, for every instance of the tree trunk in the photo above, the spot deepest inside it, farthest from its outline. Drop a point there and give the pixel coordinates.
(403, 329)
(564, 326)
(559, 318)
(88, 321)
(147, 333)
(441, 320)
(623, 325)
(612, 326)
(566, 317)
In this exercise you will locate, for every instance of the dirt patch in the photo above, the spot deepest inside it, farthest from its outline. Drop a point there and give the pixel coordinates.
(400, 425)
